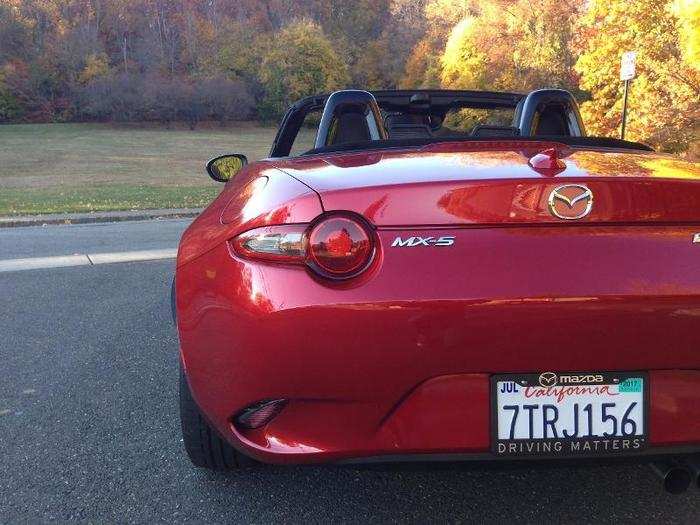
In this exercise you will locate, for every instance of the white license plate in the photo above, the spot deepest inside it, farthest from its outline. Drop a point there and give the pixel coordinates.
(569, 414)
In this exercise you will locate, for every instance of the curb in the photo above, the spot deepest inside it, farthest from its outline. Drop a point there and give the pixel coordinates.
(87, 218)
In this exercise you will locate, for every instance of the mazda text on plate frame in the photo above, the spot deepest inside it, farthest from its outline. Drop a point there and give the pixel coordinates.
(409, 289)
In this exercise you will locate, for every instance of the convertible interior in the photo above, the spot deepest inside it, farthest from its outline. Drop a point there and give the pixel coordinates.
(355, 119)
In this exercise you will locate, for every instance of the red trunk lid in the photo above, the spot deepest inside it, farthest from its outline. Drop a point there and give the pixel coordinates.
(496, 183)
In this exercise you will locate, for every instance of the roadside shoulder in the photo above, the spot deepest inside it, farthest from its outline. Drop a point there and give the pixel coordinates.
(106, 216)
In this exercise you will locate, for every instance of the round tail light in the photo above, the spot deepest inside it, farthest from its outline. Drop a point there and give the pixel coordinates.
(339, 247)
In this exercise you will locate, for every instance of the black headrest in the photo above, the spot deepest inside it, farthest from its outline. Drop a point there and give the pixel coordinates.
(551, 121)
(352, 127)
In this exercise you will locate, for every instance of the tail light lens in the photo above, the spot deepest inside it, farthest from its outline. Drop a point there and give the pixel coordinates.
(274, 243)
(338, 246)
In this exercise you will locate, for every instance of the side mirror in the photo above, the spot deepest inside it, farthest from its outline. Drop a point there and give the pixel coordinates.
(225, 167)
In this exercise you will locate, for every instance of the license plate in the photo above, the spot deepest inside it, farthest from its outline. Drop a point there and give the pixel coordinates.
(569, 414)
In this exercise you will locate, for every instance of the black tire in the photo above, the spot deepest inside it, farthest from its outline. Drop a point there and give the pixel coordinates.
(204, 446)
(173, 303)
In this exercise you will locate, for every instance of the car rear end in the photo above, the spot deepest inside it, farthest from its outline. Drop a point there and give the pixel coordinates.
(465, 318)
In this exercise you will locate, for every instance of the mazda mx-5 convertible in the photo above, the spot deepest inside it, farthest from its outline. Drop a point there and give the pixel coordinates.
(443, 275)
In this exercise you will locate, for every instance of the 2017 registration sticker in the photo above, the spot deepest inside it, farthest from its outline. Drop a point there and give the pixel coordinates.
(569, 414)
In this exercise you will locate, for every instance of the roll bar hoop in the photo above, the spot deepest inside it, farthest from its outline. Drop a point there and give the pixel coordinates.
(340, 100)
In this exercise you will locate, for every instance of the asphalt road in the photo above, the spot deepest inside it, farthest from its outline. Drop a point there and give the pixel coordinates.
(89, 431)
(43, 241)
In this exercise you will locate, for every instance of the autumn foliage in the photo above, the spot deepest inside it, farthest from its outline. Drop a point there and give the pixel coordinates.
(223, 59)
(665, 96)
(520, 45)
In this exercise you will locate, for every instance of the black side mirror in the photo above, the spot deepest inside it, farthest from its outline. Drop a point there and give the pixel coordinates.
(225, 167)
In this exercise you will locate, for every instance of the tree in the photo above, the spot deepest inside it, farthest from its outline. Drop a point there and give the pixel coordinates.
(96, 66)
(465, 63)
(664, 97)
(300, 61)
(382, 62)
(423, 68)
(687, 13)
(239, 49)
(10, 107)
(516, 45)
(371, 71)
(225, 99)
(354, 28)
(179, 59)
(15, 33)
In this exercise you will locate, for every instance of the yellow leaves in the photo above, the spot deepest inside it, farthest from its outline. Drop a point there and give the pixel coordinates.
(687, 13)
(513, 45)
(96, 65)
(664, 97)
(463, 64)
(528, 44)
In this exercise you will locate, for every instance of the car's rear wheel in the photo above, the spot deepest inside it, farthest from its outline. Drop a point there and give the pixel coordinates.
(204, 446)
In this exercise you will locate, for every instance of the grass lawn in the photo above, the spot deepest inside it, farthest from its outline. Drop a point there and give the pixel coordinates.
(54, 168)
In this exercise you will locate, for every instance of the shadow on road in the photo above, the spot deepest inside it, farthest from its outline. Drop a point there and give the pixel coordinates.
(451, 493)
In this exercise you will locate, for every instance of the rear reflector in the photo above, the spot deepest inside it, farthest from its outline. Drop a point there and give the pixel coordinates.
(259, 414)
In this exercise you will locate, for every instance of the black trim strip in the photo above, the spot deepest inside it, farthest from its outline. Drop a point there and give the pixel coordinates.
(586, 142)
(645, 456)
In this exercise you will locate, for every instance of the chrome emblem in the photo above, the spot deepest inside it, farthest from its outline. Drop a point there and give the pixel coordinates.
(447, 240)
(548, 379)
(562, 206)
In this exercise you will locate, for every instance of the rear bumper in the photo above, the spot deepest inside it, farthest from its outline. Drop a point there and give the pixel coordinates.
(445, 419)
(398, 365)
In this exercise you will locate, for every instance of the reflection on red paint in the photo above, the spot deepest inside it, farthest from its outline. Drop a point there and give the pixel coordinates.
(340, 246)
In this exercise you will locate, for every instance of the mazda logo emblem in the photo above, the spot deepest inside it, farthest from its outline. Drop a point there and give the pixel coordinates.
(567, 201)
(548, 379)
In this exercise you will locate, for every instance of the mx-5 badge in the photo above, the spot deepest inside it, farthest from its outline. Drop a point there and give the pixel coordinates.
(410, 242)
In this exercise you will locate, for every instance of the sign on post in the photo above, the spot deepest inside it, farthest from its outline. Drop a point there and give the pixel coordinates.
(627, 65)
(627, 71)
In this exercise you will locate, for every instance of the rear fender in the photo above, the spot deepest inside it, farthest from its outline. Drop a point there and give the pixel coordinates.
(260, 196)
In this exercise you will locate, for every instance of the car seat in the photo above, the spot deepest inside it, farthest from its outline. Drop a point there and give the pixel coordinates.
(552, 121)
(351, 126)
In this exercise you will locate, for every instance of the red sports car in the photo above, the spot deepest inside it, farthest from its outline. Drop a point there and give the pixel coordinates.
(443, 275)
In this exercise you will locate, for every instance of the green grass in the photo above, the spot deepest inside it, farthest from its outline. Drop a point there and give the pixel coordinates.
(103, 198)
(54, 168)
